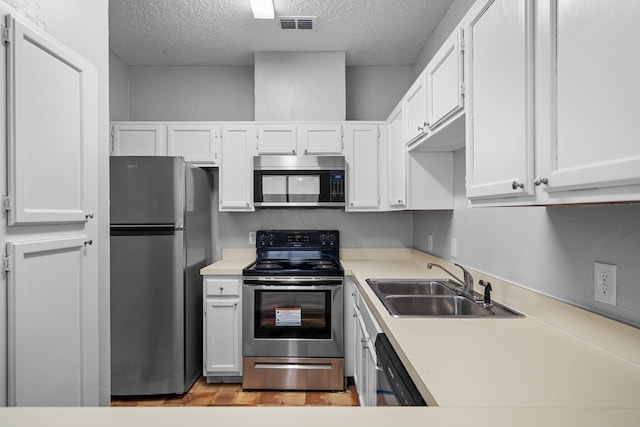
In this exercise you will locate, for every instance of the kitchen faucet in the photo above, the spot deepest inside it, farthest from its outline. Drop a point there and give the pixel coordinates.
(467, 283)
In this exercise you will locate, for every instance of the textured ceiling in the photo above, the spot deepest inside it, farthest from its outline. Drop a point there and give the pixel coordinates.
(223, 32)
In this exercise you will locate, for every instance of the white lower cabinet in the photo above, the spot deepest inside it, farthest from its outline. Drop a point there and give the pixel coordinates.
(222, 327)
(361, 354)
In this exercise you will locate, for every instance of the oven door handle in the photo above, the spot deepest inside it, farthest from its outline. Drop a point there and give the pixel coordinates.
(293, 281)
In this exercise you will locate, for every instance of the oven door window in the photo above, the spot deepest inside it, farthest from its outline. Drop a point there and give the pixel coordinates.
(292, 314)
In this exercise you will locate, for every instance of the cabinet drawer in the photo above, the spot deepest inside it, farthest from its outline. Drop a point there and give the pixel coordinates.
(222, 286)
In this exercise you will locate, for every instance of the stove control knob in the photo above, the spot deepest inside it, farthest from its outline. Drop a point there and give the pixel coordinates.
(332, 239)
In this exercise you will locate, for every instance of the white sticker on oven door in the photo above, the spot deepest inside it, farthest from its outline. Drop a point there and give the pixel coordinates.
(288, 317)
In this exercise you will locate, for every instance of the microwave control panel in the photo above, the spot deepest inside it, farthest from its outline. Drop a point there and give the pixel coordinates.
(337, 186)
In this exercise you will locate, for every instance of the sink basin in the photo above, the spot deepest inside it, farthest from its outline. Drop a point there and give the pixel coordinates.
(434, 306)
(432, 298)
(411, 287)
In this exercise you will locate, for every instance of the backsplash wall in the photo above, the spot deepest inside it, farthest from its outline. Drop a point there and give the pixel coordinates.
(357, 229)
(547, 249)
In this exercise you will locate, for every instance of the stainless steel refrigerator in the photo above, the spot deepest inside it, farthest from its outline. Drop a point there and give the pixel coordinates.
(160, 239)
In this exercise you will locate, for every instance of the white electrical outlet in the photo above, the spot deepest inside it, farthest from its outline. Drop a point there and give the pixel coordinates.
(454, 247)
(605, 280)
(430, 242)
(252, 237)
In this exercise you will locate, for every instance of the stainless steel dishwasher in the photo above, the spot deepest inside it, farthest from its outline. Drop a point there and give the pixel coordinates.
(394, 385)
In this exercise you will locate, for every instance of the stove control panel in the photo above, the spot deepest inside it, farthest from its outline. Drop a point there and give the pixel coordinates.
(297, 239)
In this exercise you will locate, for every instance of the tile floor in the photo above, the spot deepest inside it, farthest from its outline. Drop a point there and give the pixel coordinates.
(204, 394)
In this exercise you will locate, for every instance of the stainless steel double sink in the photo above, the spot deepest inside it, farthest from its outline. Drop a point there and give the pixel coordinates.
(432, 298)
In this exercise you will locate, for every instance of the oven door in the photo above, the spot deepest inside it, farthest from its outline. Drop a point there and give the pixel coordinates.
(293, 318)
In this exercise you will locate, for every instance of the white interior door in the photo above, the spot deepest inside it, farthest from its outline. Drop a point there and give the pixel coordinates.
(52, 319)
(52, 129)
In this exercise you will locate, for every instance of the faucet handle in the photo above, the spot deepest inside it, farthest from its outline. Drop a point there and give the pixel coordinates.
(487, 291)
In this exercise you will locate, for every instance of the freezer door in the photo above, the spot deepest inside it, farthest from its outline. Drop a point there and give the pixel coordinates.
(147, 312)
(147, 190)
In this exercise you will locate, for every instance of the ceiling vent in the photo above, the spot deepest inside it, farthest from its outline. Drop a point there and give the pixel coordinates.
(297, 22)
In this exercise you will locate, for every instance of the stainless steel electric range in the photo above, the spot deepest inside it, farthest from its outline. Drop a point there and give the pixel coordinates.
(293, 333)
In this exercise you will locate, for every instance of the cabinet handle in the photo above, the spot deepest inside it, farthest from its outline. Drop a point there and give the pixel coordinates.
(88, 216)
(88, 242)
(306, 151)
(420, 128)
(235, 305)
(221, 289)
(515, 185)
(426, 124)
(539, 180)
(293, 151)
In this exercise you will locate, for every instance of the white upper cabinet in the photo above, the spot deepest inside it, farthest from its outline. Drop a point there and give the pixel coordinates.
(362, 155)
(588, 138)
(499, 96)
(397, 158)
(445, 82)
(138, 139)
(585, 148)
(300, 139)
(197, 143)
(277, 139)
(415, 109)
(236, 177)
(52, 129)
(321, 139)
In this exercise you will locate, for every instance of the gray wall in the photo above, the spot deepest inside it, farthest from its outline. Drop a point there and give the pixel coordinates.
(548, 249)
(227, 93)
(372, 92)
(357, 229)
(118, 89)
(190, 93)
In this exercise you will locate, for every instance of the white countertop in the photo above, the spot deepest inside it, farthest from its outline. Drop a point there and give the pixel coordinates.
(558, 366)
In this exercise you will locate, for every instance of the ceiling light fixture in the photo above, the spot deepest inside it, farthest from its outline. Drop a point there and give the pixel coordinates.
(262, 9)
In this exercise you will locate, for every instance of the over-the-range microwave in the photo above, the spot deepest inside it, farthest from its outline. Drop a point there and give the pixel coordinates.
(299, 181)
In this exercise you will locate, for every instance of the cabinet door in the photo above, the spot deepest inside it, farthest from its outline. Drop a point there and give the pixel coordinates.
(397, 161)
(52, 323)
(277, 139)
(138, 140)
(594, 140)
(359, 368)
(236, 177)
(415, 109)
(196, 143)
(444, 75)
(362, 156)
(223, 332)
(51, 130)
(499, 114)
(321, 139)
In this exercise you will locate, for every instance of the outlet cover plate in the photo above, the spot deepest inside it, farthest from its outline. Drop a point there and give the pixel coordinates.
(454, 247)
(430, 242)
(606, 282)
